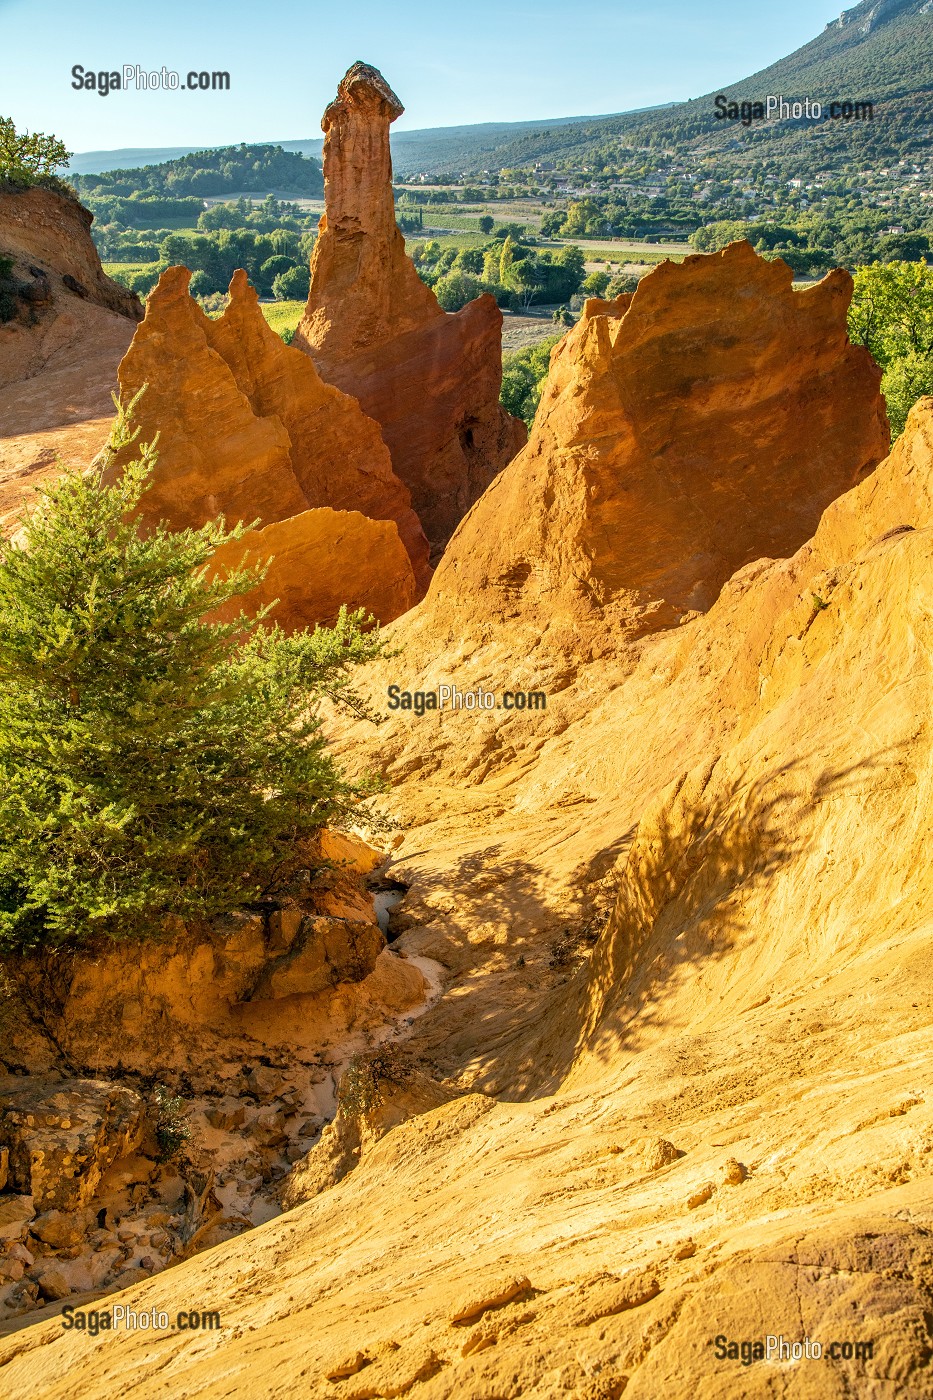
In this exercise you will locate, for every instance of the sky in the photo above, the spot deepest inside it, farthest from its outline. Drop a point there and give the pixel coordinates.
(486, 60)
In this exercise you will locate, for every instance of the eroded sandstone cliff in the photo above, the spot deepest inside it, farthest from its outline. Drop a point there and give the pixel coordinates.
(250, 1020)
(374, 329)
(675, 1088)
(58, 356)
(337, 453)
(685, 431)
(716, 1125)
(247, 429)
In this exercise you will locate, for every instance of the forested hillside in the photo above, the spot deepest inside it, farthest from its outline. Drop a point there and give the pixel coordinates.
(227, 170)
(880, 51)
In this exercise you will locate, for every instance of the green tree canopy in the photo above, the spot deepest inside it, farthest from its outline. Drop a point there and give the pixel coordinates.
(153, 761)
(506, 259)
(455, 289)
(595, 284)
(523, 376)
(622, 282)
(892, 314)
(25, 155)
(270, 269)
(469, 260)
(292, 284)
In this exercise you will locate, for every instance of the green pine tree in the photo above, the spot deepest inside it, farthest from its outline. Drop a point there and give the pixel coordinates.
(153, 762)
(506, 259)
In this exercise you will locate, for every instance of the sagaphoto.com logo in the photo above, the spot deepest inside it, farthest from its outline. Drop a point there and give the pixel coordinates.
(778, 109)
(132, 78)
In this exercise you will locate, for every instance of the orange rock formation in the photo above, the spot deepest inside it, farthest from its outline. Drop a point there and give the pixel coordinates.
(59, 356)
(247, 429)
(374, 329)
(675, 1088)
(715, 1125)
(320, 560)
(685, 431)
(337, 453)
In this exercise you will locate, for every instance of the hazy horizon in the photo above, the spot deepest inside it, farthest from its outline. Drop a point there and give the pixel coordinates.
(496, 65)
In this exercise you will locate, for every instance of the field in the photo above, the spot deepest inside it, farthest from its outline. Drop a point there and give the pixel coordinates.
(457, 238)
(282, 315)
(127, 267)
(523, 328)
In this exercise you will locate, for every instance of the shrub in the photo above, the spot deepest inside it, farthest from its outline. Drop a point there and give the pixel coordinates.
(154, 763)
(142, 280)
(172, 1127)
(455, 289)
(292, 285)
(595, 284)
(622, 282)
(8, 301)
(214, 304)
(135, 252)
(360, 1091)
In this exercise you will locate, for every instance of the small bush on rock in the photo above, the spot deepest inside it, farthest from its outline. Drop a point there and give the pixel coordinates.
(172, 1127)
(360, 1092)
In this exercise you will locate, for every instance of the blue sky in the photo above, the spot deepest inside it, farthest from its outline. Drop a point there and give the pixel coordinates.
(486, 60)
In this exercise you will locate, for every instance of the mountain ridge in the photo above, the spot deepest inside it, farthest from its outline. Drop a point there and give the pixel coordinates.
(879, 51)
(98, 162)
(882, 54)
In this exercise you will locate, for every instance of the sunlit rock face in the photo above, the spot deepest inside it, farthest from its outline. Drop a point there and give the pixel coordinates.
(247, 429)
(374, 329)
(683, 432)
(59, 353)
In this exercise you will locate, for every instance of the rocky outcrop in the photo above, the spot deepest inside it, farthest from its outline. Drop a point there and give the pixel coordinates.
(688, 908)
(216, 455)
(374, 329)
(59, 355)
(247, 429)
(376, 1094)
(337, 453)
(213, 992)
(48, 234)
(223, 1043)
(62, 1138)
(281, 978)
(757, 783)
(365, 290)
(318, 562)
(704, 422)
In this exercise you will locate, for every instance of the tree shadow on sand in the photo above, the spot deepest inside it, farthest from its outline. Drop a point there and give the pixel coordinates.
(689, 894)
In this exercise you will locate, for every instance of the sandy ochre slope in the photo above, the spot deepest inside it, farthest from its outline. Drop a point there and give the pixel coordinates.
(719, 1123)
(59, 355)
